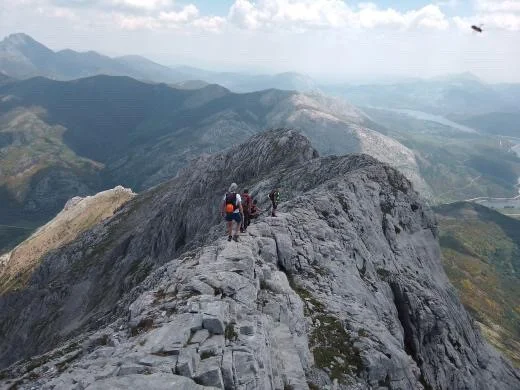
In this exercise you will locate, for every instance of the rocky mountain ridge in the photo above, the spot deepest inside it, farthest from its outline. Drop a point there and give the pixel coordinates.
(78, 215)
(345, 289)
(117, 130)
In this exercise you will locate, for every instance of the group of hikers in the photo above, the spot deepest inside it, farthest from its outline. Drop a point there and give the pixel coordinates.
(241, 209)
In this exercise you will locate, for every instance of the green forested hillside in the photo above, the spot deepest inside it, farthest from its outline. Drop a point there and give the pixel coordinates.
(481, 255)
(497, 123)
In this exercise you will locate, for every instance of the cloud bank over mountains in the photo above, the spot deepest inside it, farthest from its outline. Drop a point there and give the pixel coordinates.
(293, 15)
(335, 40)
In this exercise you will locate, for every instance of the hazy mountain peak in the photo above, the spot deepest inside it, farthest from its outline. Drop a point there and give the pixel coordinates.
(66, 51)
(27, 46)
(20, 39)
(134, 57)
(23, 57)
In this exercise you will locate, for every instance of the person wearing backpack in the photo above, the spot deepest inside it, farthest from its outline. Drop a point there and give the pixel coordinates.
(274, 197)
(255, 210)
(246, 206)
(232, 211)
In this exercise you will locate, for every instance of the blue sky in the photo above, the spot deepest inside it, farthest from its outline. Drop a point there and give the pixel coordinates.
(460, 7)
(212, 7)
(328, 39)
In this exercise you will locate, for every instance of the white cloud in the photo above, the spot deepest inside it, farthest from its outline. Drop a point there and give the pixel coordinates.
(498, 6)
(244, 14)
(149, 5)
(71, 3)
(132, 22)
(65, 13)
(275, 15)
(188, 13)
(306, 14)
(55, 12)
(429, 16)
(210, 23)
(490, 21)
(493, 15)
(189, 16)
(127, 14)
(289, 13)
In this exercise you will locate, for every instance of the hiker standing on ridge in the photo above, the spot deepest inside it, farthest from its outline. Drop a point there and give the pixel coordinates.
(232, 211)
(246, 206)
(274, 196)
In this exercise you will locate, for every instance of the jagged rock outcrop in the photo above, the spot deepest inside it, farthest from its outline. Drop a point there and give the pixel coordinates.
(78, 215)
(344, 289)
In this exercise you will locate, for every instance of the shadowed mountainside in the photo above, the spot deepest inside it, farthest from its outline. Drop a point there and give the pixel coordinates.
(64, 139)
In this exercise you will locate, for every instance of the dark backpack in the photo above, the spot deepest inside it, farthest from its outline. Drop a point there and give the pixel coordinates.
(231, 198)
(274, 195)
(246, 200)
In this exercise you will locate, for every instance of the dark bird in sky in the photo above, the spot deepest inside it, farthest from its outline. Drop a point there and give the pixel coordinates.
(477, 28)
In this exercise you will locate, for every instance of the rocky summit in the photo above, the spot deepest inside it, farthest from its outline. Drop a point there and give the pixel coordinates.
(343, 290)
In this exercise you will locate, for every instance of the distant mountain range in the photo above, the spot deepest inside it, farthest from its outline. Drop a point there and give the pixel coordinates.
(23, 57)
(454, 96)
(62, 138)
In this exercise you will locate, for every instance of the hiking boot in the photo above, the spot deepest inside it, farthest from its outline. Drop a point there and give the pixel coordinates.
(229, 238)
(235, 238)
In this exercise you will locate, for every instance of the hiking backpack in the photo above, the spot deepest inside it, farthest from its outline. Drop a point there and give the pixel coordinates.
(246, 201)
(274, 196)
(231, 202)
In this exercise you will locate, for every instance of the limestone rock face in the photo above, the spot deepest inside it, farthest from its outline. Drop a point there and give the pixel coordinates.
(343, 290)
(78, 215)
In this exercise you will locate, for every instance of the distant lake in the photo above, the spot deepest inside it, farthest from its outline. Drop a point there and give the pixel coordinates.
(433, 118)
